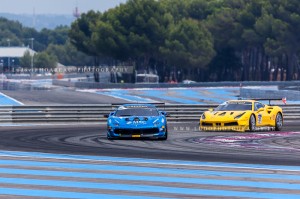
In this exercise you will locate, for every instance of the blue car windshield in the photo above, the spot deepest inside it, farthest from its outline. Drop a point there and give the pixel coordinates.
(234, 106)
(122, 112)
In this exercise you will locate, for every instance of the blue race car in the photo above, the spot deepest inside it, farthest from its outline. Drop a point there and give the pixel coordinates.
(137, 121)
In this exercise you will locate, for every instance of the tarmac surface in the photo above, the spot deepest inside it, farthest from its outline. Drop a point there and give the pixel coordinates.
(59, 96)
(78, 161)
(182, 144)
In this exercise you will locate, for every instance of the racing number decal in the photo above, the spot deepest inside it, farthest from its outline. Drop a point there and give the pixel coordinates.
(259, 118)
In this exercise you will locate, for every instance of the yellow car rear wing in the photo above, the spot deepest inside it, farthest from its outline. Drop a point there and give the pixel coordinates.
(270, 99)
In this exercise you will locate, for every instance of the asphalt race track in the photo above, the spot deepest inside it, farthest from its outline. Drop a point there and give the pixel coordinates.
(185, 142)
(59, 96)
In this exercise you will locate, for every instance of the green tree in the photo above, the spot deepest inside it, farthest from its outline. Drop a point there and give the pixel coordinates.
(249, 37)
(283, 44)
(25, 61)
(81, 36)
(132, 31)
(44, 61)
(81, 32)
(68, 55)
(10, 30)
(189, 45)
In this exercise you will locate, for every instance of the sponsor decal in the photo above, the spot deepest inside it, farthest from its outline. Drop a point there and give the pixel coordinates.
(136, 122)
(259, 118)
(223, 128)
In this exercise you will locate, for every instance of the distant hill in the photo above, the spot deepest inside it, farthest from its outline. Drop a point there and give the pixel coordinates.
(40, 21)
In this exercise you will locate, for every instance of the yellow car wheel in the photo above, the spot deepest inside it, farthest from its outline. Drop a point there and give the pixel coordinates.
(278, 122)
(252, 123)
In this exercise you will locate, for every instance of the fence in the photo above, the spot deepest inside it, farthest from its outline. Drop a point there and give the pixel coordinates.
(281, 84)
(95, 113)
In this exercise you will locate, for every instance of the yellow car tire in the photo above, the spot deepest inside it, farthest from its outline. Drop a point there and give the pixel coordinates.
(278, 122)
(252, 123)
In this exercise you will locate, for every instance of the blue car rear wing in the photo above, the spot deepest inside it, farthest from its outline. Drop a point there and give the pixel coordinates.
(156, 104)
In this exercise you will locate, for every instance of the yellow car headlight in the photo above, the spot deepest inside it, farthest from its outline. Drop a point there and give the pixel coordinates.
(203, 116)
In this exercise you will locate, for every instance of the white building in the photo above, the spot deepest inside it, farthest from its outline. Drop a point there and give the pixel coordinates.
(10, 56)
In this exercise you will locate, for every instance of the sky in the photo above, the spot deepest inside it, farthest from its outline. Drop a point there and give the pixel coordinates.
(55, 6)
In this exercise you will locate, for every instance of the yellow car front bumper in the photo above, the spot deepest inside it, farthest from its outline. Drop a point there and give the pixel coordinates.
(236, 125)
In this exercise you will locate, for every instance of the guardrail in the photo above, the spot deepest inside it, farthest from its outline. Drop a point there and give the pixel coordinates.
(95, 113)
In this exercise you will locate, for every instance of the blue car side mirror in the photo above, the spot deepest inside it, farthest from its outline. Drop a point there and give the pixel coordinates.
(164, 113)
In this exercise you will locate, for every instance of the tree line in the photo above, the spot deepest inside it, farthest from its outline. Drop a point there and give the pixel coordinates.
(205, 40)
(202, 40)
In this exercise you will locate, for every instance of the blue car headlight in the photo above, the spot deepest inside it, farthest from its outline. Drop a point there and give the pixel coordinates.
(113, 123)
(156, 123)
(203, 116)
(159, 121)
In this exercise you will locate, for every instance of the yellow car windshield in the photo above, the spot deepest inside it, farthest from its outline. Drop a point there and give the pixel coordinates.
(234, 106)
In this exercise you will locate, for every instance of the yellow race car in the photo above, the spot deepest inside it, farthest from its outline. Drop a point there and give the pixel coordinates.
(242, 115)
